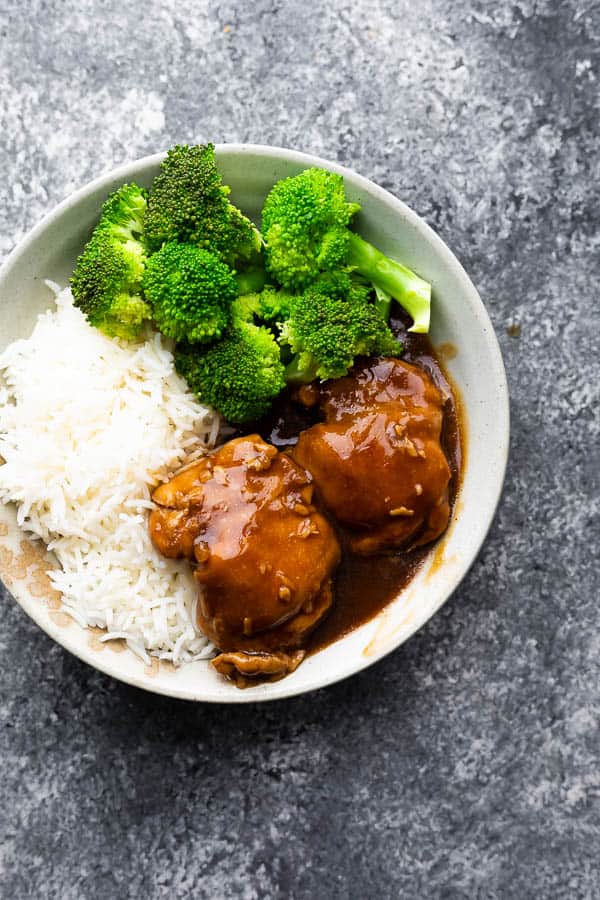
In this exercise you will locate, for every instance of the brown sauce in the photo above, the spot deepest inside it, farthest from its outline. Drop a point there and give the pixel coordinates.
(365, 585)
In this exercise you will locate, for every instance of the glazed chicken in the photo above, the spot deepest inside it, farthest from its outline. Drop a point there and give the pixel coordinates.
(264, 555)
(377, 459)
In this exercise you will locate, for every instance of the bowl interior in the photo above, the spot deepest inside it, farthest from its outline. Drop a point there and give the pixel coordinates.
(472, 359)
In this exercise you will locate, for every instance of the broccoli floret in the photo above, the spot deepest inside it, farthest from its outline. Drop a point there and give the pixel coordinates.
(188, 202)
(271, 306)
(330, 324)
(305, 227)
(246, 309)
(107, 279)
(251, 281)
(190, 291)
(239, 376)
(274, 305)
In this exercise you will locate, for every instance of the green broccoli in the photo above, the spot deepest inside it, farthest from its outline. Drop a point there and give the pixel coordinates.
(188, 202)
(246, 309)
(305, 226)
(190, 291)
(239, 375)
(274, 305)
(329, 325)
(270, 307)
(305, 223)
(383, 303)
(107, 279)
(251, 281)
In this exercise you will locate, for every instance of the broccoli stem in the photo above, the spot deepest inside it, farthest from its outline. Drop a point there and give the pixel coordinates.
(250, 282)
(383, 303)
(297, 373)
(408, 289)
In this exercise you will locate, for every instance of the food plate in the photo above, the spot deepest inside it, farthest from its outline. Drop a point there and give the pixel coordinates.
(461, 332)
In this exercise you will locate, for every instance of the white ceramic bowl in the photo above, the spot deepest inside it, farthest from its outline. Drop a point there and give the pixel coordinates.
(458, 319)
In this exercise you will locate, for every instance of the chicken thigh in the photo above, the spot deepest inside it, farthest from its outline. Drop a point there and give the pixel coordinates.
(377, 459)
(264, 554)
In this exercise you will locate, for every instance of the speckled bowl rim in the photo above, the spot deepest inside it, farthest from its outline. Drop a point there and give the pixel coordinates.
(287, 687)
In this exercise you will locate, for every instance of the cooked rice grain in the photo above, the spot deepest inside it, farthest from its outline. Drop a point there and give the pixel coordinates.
(87, 426)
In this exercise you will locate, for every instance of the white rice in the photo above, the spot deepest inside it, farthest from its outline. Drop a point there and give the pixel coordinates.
(88, 425)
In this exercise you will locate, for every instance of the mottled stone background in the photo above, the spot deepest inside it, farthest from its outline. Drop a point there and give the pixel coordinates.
(466, 764)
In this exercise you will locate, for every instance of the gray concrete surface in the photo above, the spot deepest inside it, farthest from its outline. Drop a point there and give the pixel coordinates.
(466, 764)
